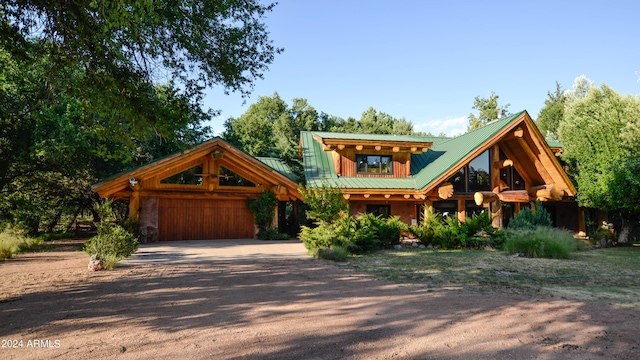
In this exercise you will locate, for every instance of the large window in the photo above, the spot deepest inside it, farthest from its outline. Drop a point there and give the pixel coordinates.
(474, 177)
(374, 164)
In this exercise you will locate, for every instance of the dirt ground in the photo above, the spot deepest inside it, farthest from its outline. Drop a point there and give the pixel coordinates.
(51, 307)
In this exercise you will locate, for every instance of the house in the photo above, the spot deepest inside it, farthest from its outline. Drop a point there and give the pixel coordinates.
(202, 193)
(497, 168)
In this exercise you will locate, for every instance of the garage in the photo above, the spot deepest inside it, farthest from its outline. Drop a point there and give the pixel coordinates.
(200, 194)
(195, 219)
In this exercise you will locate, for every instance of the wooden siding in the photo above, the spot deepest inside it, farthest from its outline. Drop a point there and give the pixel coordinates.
(400, 162)
(195, 219)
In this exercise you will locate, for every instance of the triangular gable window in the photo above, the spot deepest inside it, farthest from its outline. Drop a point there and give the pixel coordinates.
(229, 178)
(191, 176)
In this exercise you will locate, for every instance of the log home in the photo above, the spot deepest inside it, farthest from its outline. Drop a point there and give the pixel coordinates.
(498, 168)
(202, 193)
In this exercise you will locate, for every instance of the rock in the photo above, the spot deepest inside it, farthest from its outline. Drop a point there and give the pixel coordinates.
(430, 247)
(422, 246)
(95, 264)
(397, 247)
(414, 244)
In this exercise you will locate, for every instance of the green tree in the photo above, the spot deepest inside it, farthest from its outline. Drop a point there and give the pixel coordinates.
(374, 122)
(488, 109)
(600, 133)
(53, 146)
(124, 47)
(552, 113)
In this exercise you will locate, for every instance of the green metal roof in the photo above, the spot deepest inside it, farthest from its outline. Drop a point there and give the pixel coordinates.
(425, 168)
(279, 166)
(554, 143)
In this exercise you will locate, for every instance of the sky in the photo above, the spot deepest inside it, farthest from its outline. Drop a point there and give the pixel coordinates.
(426, 60)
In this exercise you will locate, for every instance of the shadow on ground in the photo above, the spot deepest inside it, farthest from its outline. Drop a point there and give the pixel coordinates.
(300, 309)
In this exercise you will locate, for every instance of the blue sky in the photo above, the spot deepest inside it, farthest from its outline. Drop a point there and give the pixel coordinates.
(426, 60)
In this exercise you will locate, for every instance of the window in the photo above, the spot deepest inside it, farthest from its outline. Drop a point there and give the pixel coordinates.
(510, 178)
(192, 176)
(229, 178)
(474, 177)
(374, 164)
(379, 210)
(479, 175)
(446, 208)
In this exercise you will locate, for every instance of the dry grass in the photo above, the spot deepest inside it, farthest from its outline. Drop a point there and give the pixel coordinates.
(609, 275)
(13, 243)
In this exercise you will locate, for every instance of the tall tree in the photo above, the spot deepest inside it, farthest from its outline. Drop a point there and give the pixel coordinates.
(374, 122)
(53, 146)
(600, 133)
(552, 113)
(488, 109)
(126, 46)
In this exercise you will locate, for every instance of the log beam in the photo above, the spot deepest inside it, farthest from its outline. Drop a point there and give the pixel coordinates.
(502, 164)
(483, 197)
(546, 192)
(514, 196)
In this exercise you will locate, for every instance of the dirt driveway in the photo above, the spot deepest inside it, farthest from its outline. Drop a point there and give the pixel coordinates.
(52, 307)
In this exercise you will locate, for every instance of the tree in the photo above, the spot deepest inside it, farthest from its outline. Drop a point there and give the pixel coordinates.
(53, 146)
(489, 110)
(374, 122)
(551, 115)
(600, 136)
(124, 47)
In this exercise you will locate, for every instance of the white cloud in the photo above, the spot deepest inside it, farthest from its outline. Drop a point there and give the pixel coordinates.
(452, 126)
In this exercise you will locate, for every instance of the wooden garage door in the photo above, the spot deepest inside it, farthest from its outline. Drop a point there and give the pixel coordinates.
(183, 219)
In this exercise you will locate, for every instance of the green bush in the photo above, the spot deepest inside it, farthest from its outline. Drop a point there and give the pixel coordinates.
(263, 209)
(542, 242)
(389, 231)
(325, 203)
(272, 234)
(320, 237)
(112, 242)
(526, 219)
(448, 235)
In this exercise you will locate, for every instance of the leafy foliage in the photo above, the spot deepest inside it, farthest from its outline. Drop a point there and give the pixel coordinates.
(450, 233)
(326, 203)
(489, 110)
(552, 113)
(112, 241)
(263, 209)
(531, 218)
(542, 242)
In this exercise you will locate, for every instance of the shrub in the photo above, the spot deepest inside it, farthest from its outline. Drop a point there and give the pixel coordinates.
(325, 203)
(263, 209)
(542, 242)
(112, 242)
(448, 235)
(320, 237)
(362, 232)
(389, 231)
(272, 234)
(527, 219)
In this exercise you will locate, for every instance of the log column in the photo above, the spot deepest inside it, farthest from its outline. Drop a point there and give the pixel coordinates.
(496, 214)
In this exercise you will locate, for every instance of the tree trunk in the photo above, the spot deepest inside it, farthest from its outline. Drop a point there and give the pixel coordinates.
(625, 230)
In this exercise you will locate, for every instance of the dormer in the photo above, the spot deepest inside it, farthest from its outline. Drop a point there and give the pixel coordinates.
(367, 155)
